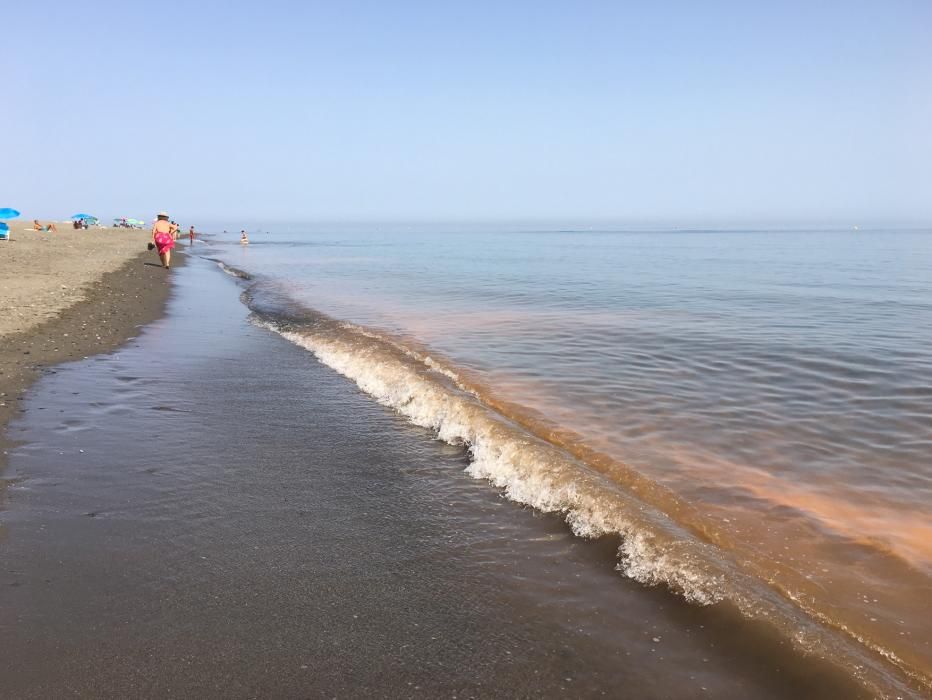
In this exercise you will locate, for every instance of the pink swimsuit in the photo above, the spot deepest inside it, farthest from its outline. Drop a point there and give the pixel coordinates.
(164, 241)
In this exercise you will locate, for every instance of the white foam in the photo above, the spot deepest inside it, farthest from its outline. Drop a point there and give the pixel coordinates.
(528, 470)
(232, 271)
(654, 549)
(426, 359)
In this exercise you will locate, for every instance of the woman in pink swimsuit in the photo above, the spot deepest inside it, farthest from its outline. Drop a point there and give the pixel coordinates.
(163, 238)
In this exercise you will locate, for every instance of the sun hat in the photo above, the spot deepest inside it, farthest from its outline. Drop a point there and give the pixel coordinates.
(162, 213)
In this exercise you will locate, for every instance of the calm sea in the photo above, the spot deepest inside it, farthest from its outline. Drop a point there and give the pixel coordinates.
(750, 410)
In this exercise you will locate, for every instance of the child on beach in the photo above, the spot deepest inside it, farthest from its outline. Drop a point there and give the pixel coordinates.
(164, 239)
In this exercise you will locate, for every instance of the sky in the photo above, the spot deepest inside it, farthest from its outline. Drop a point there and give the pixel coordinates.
(669, 112)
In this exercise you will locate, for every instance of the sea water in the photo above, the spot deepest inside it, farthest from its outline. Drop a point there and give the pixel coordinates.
(210, 512)
(750, 410)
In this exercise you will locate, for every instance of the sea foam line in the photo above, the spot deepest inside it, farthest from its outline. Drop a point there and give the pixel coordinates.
(654, 549)
(528, 470)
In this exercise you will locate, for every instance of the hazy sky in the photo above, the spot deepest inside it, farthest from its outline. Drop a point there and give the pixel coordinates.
(678, 111)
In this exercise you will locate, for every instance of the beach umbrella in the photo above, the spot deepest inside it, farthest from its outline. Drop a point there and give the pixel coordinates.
(4, 232)
(78, 217)
(7, 213)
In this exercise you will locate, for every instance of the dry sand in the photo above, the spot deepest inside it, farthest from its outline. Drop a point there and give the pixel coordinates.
(42, 274)
(68, 295)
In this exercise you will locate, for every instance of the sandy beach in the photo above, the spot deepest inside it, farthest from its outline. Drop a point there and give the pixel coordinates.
(194, 506)
(209, 512)
(68, 295)
(50, 272)
(491, 352)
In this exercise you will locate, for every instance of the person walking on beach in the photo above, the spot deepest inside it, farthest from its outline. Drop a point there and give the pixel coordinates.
(191, 235)
(164, 239)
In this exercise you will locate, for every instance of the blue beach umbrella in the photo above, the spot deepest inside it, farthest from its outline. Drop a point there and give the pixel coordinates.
(80, 217)
(7, 213)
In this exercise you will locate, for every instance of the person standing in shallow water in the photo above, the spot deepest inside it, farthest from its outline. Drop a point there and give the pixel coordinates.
(164, 239)
(191, 236)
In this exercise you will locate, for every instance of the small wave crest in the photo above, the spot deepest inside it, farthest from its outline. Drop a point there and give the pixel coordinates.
(232, 271)
(657, 547)
(526, 468)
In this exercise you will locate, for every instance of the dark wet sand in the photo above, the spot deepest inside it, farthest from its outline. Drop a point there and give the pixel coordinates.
(114, 309)
(210, 513)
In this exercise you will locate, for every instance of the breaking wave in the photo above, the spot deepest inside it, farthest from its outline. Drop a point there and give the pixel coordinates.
(660, 541)
(231, 271)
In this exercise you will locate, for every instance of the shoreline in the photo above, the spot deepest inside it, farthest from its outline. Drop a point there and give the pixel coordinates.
(286, 516)
(108, 311)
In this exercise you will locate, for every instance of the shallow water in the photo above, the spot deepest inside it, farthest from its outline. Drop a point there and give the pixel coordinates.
(208, 513)
(756, 406)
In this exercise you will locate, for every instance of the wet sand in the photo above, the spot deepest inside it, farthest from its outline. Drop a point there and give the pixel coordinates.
(211, 513)
(57, 311)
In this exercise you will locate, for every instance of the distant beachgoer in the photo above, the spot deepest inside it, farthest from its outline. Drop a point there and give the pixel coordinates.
(51, 227)
(243, 239)
(77, 224)
(163, 237)
(174, 230)
(191, 235)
